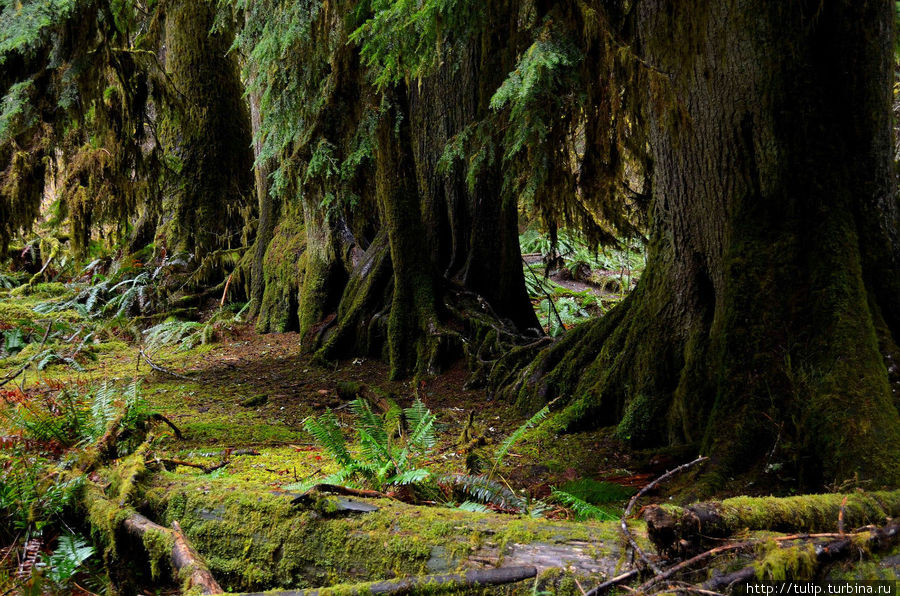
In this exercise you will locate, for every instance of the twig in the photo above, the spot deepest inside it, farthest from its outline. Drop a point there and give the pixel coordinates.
(350, 492)
(841, 516)
(178, 462)
(159, 368)
(640, 493)
(12, 376)
(164, 420)
(596, 591)
(225, 292)
(735, 546)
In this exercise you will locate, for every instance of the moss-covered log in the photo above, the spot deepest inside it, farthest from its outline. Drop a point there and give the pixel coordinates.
(765, 324)
(256, 539)
(687, 529)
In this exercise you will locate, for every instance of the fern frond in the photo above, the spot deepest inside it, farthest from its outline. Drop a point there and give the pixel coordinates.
(369, 421)
(417, 476)
(422, 424)
(517, 435)
(484, 489)
(583, 509)
(327, 433)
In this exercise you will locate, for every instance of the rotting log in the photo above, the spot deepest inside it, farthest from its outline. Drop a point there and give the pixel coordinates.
(257, 539)
(185, 560)
(821, 554)
(684, 530)
(472, 579)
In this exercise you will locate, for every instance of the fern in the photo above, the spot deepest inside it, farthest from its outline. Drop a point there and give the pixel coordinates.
(583, 509)
(517, 436)
(71, 552)
(483, 489)
(326, 432)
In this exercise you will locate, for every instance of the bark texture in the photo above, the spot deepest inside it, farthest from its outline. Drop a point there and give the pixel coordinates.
(208, 135)
(765, 325)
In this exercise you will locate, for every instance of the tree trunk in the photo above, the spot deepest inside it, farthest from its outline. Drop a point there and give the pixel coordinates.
(440, 240)
(765, 325)
(266, 207)
(207, 135)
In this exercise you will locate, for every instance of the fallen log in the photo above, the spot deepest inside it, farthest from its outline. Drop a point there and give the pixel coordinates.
(821, 554)
(257, 539)
(184, 559)
(682, 531)
(473, 579)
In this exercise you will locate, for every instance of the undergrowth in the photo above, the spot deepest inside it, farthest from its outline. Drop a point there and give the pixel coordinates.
(392, 451)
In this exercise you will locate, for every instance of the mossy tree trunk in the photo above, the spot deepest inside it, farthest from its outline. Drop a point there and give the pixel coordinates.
(429, 236)
(765, 327)
(207, 134)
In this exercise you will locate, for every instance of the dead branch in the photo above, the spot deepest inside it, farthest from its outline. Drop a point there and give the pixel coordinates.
(878, 539)
(159, 368)
(184, 558)
(169, 423)
(178, 462)
(624, 524)
(22, 368)
(685, 531)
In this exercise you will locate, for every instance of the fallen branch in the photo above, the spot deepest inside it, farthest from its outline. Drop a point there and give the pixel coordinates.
(178, 462)
(685, 531)
(336, 489)
(610, 583)
(169, 423)
(878, 539)
(475, 578)
(159, 368)
(185, 560)
(624, 524)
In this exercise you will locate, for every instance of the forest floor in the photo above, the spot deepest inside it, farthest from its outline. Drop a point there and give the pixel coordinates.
(244, 398)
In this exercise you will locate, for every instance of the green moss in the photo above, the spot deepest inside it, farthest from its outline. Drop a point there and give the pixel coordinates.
(159, 545)
(284, 267)
(791, 562)
(254, 539)
(809, 512)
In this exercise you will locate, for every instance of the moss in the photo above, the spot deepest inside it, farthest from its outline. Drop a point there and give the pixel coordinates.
(284, 269)
(809, 512)
(159, 545)
(254, 539)
(790, 562)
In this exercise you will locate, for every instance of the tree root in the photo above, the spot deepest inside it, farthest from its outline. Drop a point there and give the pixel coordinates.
(475, 578)
(684, 531)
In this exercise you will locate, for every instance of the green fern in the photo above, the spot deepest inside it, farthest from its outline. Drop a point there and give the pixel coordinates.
(517, 436)
(483, 489)
(583, 509)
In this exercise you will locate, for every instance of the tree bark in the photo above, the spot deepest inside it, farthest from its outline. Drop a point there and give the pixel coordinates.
(208, 134)
(765, 323)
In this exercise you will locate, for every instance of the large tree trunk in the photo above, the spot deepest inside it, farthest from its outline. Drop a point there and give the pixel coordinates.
(436, 240)
(208, 134)
(765, 326)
